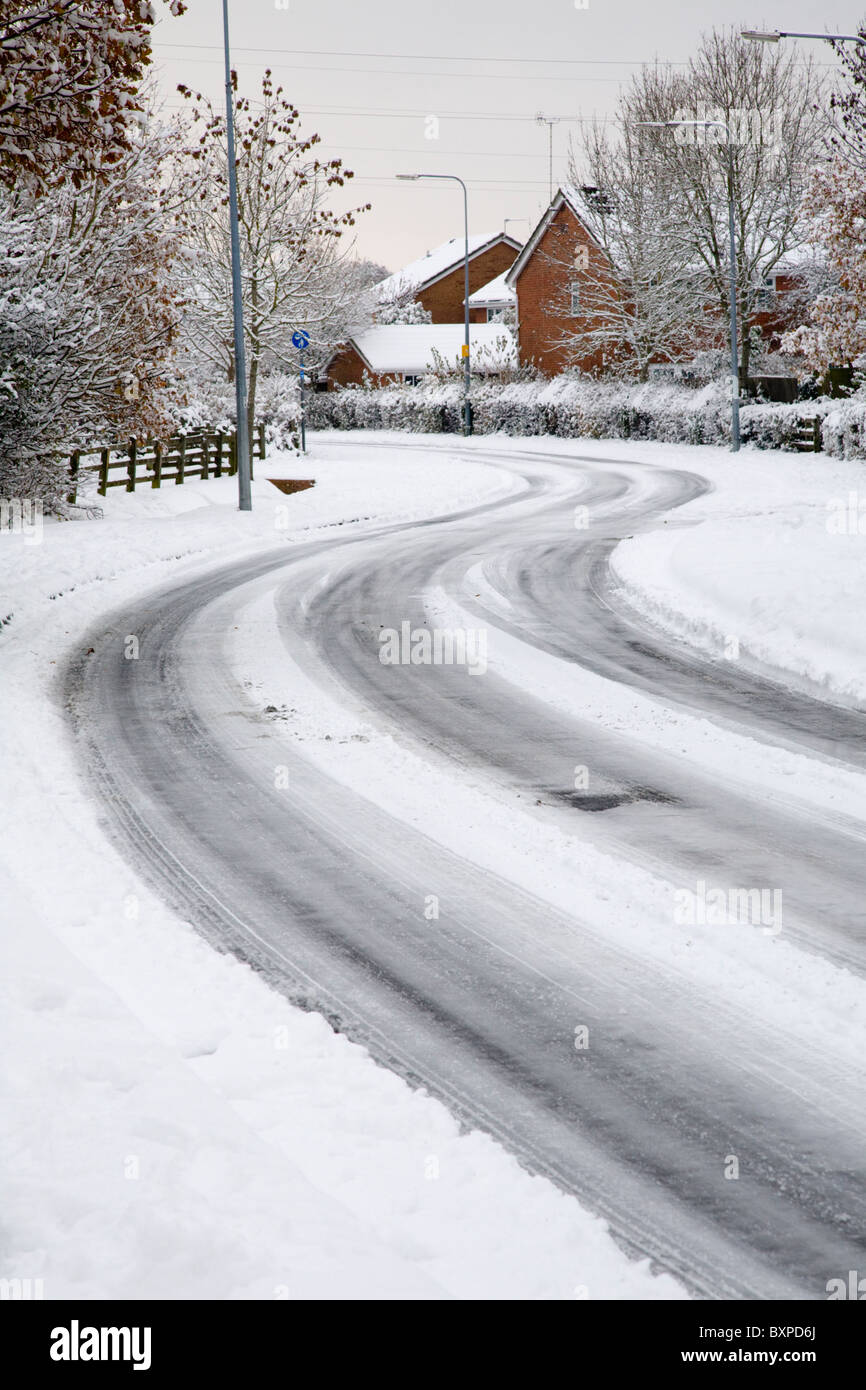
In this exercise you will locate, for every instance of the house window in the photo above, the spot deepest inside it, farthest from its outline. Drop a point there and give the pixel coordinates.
(411, 379)
(766, 292)
(574, 297)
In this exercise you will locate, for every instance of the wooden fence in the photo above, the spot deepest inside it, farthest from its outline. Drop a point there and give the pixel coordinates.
(152, 462)
(808, 438)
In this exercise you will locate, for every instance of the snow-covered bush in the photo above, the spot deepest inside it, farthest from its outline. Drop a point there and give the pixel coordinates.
(211, 405)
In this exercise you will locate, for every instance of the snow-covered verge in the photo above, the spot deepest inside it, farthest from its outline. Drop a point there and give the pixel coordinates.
(769, 566)
(172, 1127)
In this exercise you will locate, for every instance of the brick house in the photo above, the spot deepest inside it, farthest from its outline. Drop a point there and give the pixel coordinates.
(436, 280)
(546, 278)
(495, 302)
(394, 352)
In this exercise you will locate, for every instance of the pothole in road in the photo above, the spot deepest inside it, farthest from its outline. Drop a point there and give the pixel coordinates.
(609, 801)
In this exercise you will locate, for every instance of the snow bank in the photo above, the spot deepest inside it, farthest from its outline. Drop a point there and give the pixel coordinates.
(769, 567)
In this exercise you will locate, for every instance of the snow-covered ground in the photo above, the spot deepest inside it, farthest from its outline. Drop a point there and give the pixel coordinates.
(172, 1127)
(770, 566)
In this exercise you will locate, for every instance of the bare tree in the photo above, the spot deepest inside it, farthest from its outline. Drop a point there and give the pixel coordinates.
(768, 97)
(832, 327)
(296, 270)
(638, 295)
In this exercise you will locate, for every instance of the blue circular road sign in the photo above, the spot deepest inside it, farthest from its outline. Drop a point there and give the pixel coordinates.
(301, 339)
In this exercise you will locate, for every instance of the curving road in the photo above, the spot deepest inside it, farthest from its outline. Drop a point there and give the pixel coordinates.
(321, 890)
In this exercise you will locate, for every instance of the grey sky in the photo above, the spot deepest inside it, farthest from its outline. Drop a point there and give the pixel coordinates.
(333, 59)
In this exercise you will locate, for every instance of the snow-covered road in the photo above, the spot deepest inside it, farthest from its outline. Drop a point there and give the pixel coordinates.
(468, 868)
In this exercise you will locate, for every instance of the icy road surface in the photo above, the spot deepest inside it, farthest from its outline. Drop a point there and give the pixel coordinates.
(714, 1118)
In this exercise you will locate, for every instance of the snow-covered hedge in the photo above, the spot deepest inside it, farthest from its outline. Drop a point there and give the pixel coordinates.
(573, 407)
(844, 428)
(565, 406)
(777, 426)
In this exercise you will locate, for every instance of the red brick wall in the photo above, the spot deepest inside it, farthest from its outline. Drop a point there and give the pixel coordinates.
(785, 311)
(444, 300)
(346, 368)
(542, 294)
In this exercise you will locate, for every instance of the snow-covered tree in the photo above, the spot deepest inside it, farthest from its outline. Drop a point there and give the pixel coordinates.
(371, 272)
(296, 270)
(836, 331)
(641, 297)
(833, 326)
(769, 98)
(402, 308)
(88, 315)
(70, 73)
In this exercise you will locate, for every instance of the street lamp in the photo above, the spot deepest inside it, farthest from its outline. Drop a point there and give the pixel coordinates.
(774, 35)
(467, 419)
(245, 503)
(735, 369)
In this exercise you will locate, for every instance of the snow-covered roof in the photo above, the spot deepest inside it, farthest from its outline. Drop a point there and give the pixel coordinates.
(432, 267)
(409, 347)
(494, 293)
(796, 258)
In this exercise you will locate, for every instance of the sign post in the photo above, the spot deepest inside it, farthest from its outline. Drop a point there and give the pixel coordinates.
(301, 340)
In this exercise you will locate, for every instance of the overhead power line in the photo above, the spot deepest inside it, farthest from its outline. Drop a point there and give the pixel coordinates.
(426, 57)
(414, 72)
(400, 113)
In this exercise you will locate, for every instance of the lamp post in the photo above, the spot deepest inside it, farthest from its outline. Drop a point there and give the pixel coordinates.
(732, 238)
(774, 35)
(467, 416)
(245, 503)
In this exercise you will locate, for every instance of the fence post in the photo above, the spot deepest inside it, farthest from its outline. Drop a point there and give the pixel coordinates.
(204, 449)
(262, 447)
(157, 465)
(130, 467)
(218, 458)
(103, 471)
(233, 454)
(73, 474)
(181, 459)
